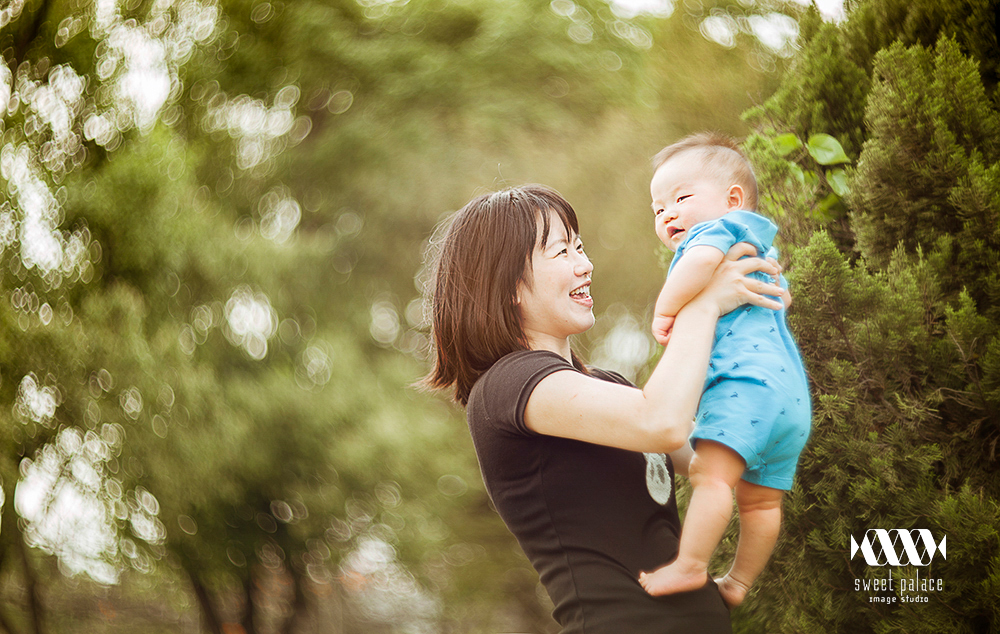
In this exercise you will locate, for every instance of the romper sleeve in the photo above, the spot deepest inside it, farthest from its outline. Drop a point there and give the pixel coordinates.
(736, 226)
(715, 233)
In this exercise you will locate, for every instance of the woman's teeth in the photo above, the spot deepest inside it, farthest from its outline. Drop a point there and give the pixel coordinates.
(582, 292)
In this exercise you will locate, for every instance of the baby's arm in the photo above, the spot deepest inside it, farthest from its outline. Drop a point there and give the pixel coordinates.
(691, 274)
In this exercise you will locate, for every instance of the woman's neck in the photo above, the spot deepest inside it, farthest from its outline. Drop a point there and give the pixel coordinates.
(558, 345)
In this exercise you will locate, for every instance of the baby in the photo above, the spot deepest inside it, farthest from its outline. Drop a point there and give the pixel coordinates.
(753, 419)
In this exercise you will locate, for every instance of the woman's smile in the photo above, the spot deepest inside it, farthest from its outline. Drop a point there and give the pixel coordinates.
(582, 295)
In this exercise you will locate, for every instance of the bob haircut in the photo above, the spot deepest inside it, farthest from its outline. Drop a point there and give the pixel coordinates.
(722, 158)
(484, 255)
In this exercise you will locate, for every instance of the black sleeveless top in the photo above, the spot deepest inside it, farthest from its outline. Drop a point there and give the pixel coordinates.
(584, 514)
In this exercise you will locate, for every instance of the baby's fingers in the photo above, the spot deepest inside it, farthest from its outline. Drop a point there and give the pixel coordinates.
(663, 338)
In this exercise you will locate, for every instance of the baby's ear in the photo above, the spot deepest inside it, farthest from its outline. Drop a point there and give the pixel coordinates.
(736, 197)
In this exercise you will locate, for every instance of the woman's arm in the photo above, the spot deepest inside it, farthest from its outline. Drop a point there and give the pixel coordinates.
(657, 417)
(681, 457)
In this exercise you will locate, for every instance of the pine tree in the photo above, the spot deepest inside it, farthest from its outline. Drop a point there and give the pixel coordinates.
(895, 311)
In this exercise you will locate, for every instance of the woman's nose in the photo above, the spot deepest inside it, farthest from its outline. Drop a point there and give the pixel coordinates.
(584, 266)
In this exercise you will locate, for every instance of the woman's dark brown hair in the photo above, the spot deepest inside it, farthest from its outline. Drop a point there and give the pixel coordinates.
(485, 253)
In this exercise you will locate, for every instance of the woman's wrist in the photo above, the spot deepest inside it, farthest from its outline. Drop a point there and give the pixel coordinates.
(702, 307)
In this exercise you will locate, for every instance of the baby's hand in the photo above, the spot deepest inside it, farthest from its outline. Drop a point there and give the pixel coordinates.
(663, 325)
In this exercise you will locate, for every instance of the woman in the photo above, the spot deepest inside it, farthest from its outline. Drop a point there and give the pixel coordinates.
(559, 445)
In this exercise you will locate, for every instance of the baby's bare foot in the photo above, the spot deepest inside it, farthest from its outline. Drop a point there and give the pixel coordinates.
(733, 592)
(676, 577)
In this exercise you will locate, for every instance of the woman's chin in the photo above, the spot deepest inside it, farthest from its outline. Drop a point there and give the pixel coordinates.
(587, 324)
(578, 326)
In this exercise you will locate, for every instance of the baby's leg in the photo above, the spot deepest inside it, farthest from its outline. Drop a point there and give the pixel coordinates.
(760, 522)
(715, 470)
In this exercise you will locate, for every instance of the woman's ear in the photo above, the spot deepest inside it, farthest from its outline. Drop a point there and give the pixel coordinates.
(736, 197)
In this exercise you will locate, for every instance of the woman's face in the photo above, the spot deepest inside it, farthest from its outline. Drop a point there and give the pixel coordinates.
(557, 302)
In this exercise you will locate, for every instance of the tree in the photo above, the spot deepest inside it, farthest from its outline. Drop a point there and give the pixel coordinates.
(895, 313)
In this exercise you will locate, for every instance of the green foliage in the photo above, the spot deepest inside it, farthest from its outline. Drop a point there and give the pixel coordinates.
(799, 187)
(823, 92)
(826, 150)
(895, 313)
(873, 26)
(930, 121)
(785, 144)
(882, 452)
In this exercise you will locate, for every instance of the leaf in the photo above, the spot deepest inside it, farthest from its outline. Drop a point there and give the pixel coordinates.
(837, 179)
(798, 174)
(830, 208)
(810, 178)
(826, 150)
(786, 143)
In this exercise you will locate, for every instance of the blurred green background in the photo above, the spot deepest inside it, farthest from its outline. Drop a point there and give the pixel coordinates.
(213, 225)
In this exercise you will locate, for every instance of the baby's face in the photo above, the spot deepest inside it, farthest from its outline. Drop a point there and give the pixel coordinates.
(685, 193)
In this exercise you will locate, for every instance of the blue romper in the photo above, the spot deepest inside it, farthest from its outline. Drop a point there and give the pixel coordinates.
(756, 397)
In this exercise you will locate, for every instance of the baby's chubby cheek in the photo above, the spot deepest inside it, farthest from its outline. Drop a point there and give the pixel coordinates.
(661, 232)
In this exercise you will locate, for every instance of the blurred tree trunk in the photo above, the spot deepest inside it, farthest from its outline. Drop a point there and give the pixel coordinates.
(300, 606)
(210, 615)
(5, 625)
(249, 624)
(29, 34)
(31, 587)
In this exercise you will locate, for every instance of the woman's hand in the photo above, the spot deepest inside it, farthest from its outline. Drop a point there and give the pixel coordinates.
(786, 297)
(730, 287)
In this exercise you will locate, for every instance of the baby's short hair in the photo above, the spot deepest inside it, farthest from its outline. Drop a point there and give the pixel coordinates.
(721, 155)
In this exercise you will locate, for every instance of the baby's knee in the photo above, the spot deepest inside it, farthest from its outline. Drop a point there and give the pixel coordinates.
(714, 462)
(754, 497)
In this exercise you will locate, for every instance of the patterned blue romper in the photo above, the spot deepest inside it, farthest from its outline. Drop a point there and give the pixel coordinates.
(756, 397)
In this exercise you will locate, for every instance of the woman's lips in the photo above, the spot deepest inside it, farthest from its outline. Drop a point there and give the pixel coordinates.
(582, 295)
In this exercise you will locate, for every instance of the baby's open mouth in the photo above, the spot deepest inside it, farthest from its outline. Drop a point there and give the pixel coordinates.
(673, 231)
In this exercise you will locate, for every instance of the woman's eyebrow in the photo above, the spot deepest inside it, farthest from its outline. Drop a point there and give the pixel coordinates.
(568, 238)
